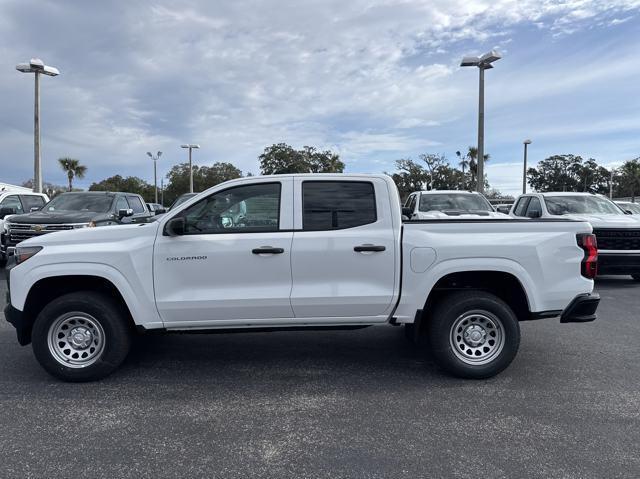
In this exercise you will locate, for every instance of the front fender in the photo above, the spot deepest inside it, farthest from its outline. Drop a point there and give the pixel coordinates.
(142, 308)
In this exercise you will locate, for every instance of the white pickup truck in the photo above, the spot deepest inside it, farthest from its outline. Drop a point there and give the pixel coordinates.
(299, 251)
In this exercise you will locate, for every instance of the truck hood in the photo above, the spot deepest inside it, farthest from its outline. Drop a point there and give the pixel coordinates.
(606, 221)
(431, 215)
(84, 236)
(58, 217)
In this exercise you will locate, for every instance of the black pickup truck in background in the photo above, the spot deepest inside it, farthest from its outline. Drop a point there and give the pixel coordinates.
(75, 210)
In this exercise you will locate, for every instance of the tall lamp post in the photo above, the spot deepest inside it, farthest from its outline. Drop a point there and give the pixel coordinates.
(483, 63)
(37, 67)
(524, 171)
(155, 170)
(190, 147)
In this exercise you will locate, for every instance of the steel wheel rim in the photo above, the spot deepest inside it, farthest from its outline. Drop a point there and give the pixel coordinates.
(76, 340)
(477, 337)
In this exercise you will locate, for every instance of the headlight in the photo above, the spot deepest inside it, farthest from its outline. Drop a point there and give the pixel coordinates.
(90, 224)
(23, 253)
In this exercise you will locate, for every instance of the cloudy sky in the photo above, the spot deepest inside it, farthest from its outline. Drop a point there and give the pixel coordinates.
(372, 80)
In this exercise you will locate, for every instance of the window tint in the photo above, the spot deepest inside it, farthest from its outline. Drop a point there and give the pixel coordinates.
(521, 206)
(32, 201)
(329, 205)
(12, 202)
(534, 209)
(135, 204)
(122, 204)
(243, 209)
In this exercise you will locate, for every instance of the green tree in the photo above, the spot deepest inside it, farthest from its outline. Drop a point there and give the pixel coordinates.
(410, 177)
(72, 168)
(129, 184)
(281, 159)
(203, 177)
(48, 189)
(628, 180)
(556, 173)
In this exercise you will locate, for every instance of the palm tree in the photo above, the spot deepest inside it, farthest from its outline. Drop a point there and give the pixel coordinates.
(464, 163)
(472, 154)
(73, 168)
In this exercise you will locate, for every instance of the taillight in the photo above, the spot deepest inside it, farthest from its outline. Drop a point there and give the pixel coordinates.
(589, 244)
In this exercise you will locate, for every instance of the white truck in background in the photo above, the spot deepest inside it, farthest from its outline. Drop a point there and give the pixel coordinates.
(299, 251)
(442, 204)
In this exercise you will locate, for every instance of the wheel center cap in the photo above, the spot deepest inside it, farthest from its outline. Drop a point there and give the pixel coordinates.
(80, 337)
(475, 335)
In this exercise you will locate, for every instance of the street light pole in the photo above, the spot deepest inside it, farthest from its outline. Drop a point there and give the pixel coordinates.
(37, 67)
(155, 174)
(613, 172)
(483, 63)
(524, 170)
(190, 146)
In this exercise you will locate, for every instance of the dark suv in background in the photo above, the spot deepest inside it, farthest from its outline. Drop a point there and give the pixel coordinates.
(76, 210)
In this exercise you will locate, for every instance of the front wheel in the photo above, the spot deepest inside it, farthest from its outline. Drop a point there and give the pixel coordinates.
(473, 334)
(81, 336)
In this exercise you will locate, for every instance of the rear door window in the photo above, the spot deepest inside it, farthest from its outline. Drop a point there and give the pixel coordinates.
(330, 205)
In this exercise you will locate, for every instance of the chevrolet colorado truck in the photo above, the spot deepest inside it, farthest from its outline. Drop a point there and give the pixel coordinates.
(299, 252)
(617, 232)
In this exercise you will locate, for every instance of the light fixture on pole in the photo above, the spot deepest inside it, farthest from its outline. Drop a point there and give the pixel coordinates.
(190, 147)
(524, 170)
(483, 63)
(37, 67)
(155, 171)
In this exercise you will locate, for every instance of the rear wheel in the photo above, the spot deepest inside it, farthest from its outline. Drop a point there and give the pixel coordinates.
(81, 336)
(473, 334)
(636, 277)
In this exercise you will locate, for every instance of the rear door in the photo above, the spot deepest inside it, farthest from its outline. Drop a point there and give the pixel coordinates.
(343, 258)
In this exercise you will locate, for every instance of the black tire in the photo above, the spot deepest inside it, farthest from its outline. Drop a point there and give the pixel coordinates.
(481, 310)
(636, 277)
(410, 332)
(115, 337)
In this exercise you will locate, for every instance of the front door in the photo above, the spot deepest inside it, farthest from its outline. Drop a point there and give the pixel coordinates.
(233, 260)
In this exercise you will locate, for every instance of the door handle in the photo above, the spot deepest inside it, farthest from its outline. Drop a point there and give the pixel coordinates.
(368, 247)
(267, 250)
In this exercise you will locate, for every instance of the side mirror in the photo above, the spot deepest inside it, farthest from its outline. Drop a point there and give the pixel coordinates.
(6, 211)
(34, 208)
(125, 212)
(407, 211)
(175, 227)
(628, 212)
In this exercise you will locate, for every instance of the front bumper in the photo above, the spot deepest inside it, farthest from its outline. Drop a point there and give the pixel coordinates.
(16, 317)
(582, 309)
(618, 263)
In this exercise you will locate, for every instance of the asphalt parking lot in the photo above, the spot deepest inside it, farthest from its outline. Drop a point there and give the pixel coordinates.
(335, 404)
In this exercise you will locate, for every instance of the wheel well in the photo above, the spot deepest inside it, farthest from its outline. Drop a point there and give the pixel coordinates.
(504, 285)
(46, 290)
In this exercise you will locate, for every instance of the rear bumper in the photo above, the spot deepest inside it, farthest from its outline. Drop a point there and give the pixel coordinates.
(618, 263)
(582, 309)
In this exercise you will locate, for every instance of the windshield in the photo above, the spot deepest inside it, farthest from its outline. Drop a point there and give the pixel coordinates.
(633, 207)
(563, 205)
(454, 202)
(80, 202)
(182, 199)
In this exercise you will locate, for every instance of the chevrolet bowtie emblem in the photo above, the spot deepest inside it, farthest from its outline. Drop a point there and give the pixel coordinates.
(38, 228)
